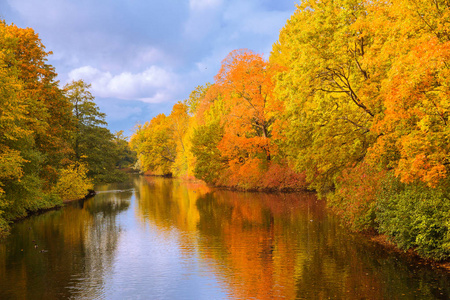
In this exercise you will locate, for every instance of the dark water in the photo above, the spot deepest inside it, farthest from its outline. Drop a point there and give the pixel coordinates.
(155, 238)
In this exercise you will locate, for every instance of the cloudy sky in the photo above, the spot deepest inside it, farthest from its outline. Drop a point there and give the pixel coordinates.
(142, 56)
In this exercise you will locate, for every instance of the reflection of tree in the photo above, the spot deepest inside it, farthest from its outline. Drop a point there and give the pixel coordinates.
(267, 246)
(79, 243)
(261, 246)
(256, 261)
(287, 246)
(168, 203)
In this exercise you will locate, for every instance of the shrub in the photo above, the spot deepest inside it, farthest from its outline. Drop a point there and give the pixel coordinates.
(415, 216)
(354, 198)
(73, 182)
(281, 177)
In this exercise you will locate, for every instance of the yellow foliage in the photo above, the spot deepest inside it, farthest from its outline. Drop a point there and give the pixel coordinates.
(73, 182)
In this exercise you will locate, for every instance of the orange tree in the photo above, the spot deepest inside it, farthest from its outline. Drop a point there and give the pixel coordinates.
(246, 83)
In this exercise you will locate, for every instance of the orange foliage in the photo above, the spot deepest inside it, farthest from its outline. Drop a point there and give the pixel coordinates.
(414, 48)
(355, 196)
(246, 82)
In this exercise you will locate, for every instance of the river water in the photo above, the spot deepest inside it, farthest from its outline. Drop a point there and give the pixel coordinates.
(156, 238)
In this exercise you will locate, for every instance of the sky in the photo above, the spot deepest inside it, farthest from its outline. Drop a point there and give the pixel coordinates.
(142, 56)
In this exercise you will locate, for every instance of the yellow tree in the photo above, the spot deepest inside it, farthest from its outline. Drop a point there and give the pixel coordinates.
(155, 145)
(50, 116)
(329, 88)
(180, 120)
(35, 124)
(13, 127)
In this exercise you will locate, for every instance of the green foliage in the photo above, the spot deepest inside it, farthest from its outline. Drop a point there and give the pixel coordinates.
(126, 156)
(209, 164)
(26, 196)
(416, 216)
(73, 182)
(94, 144)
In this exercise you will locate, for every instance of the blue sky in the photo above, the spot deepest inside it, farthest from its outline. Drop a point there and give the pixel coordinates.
(142, 56)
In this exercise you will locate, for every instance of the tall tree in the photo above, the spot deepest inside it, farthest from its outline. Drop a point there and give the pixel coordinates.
(93, 143)
(246, 84)
(329, 88)
(48, 111)
(414, 127)
(35, 121)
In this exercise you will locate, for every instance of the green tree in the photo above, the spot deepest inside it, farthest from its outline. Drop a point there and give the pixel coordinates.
(93, 143)
(126, 156)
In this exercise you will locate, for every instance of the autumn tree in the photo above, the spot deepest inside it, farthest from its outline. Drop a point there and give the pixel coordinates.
(210, 165)
(35, 124)
(48, 111)
(155, 145)
(329, 89)
(245, 83)
(186, 163)
(413, 129)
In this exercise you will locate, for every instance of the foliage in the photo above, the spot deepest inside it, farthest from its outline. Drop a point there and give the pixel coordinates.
(281, 177)
(416, 216)
(327, 89)
(155, 145)
(354, 198)
(415, 47)
(93, 143)
(209, 163)
(366, 93)
(245, 81)
(40, 135)
(73, 182)
(353, 101)
(126, 156)
(35, 122)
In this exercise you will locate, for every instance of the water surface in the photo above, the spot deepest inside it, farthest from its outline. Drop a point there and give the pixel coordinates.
(155, 238)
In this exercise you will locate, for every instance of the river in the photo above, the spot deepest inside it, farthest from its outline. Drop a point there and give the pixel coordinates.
(157, 238)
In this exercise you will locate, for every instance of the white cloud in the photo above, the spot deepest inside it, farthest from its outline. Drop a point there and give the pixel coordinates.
(154, 85)
(151, 51)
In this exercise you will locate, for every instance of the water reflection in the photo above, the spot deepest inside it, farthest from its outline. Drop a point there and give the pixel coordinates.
(62, 253)
(266, 246)
(155, 238)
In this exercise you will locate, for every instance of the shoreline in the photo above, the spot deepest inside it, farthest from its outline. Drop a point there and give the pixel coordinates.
(234, 188)
(90, 194)
(383, 241)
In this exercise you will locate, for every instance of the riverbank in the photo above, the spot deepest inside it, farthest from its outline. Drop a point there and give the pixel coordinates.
(4, 230)
(383, 241)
